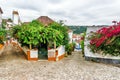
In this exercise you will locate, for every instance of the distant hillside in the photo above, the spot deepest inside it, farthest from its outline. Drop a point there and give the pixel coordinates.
(78, 29)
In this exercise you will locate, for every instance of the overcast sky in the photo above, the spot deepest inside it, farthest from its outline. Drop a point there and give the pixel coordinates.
(73, 12)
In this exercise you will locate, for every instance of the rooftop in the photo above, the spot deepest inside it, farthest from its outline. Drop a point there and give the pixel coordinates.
(45, 20)
(15, 12)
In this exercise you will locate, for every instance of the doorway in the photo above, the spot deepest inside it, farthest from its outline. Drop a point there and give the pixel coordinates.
(42, 51)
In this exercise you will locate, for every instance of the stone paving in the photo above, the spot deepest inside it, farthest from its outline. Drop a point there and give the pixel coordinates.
(14, 66)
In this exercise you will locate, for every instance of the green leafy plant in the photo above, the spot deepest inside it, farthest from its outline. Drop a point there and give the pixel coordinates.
(15, 30)
(63, 30)
(3, 33)
(29, 36)
(35, 33)
(82, 46)
(69, 48)
(82, 42)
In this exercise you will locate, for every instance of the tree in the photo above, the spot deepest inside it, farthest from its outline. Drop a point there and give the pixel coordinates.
(35, 33)
(63, 30)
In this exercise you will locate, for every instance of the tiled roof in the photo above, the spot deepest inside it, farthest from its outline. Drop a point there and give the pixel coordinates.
(70, 30)
(76, 36)
(15, 12)
(45, 20)
(1, 10)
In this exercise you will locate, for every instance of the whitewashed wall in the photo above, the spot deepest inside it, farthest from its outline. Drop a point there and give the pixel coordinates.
(61, 50)
(70, 36)
(51, 53)
(15, 18)
(33, 53)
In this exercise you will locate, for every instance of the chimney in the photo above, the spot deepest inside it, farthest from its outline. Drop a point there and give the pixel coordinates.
(16, 18)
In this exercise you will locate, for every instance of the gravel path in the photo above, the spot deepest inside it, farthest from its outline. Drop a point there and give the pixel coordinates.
(14, 66)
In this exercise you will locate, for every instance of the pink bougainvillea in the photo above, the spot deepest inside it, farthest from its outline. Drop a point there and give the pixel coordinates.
(105, 33)
(106, 40)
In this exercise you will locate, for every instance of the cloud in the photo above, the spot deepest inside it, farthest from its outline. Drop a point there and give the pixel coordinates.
(74, 12)
(55, 1)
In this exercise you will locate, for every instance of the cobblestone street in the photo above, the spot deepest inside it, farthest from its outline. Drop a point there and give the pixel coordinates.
(14, 66)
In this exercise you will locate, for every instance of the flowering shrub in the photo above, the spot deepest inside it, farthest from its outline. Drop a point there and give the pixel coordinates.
(106, 40)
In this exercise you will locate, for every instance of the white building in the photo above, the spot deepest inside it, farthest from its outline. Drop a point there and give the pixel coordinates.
(70, 34)
(16, 18)
(76, 38)
(1, 12)
(9, 25)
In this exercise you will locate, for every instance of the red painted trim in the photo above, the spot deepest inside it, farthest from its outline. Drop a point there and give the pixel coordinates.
(52, 59)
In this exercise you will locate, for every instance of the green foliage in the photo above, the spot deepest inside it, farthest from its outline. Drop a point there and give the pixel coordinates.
(2, 35)
(70, 47)
(35, 23)
(63, 30)
(78, 29)
(82, 45)
(35, 33)
(3, 24)
(112, 48)
(15, 30)
(82, 42)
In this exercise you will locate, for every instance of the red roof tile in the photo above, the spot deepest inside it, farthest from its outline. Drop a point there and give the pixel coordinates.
(45, 20)
(70, 30)
(15, 12)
